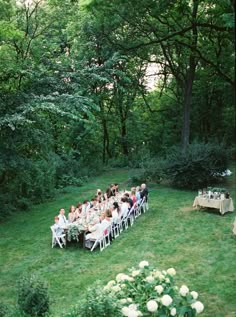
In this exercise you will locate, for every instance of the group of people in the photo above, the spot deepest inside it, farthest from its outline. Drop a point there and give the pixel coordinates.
(103, 211)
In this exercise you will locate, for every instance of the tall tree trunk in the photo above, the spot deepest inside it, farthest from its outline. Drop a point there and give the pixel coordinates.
(189, 81)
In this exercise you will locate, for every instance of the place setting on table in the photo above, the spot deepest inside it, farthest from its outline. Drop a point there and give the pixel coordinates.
(216, 198)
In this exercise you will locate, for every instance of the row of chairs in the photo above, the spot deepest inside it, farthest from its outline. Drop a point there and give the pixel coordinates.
(115, 230)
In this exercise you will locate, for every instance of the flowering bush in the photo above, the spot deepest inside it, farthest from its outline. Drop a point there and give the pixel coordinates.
(150, 292)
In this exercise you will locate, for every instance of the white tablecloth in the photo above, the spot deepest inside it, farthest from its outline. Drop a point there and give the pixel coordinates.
(224, 205)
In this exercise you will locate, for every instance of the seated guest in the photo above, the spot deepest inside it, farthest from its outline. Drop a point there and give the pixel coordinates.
(71, 214)
(108, 193)
(124, 207)
(94, 203)
(100, 197)
(116, 187)
(130, 201)
(78, 211)
(107, 223)
(95, 232)
(57, 228)
(115, 210)
(113, 190)
(85, 207)
(133, 195)
(138, 196)
(62, 218)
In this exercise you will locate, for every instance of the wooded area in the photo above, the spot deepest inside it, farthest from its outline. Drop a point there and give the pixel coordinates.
(75, 92)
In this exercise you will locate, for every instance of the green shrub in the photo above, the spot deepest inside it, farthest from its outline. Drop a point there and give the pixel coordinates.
(97, 304)
(200, 166)
(151, 170)
(3, 310)
(33, 297)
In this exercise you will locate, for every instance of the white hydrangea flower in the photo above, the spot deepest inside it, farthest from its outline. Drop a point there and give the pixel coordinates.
(159, 289)
(119, 277)
(149, 279)
(152, 306)
(198, 306)
(133, 313)
(183, 290)
(139, 313)
(123, 285)
(161, 277)
(116, 288)
(142, 264)
(194, 294)
(173, 311)
(123, 301)
(135, 273)
(111, 283)
(164, 272)
(122, 277)
(166, 300)
(171, 271)
(125, 311)
(133, 306)
(167, 280)
(156, 273)
(129, 300)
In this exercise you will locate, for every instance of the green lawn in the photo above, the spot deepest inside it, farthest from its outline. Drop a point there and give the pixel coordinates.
(198, 244)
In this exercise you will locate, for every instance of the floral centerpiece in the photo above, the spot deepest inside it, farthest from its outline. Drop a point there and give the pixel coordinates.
(147, 291)
(73, 233)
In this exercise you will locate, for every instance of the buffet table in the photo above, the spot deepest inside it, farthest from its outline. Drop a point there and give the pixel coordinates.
(224, 205)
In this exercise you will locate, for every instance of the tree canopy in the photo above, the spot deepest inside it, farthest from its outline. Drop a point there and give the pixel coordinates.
(75, 92)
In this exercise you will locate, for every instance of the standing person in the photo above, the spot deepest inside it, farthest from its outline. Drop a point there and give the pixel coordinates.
(144, 193)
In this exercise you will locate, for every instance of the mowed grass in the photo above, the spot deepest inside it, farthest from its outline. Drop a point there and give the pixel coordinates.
(198, 244)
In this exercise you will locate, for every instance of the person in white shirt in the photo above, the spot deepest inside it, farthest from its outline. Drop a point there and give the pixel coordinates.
(124, 207)
(95, 231)
(62, 218)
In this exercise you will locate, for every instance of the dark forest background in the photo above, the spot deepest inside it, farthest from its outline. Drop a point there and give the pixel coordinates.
(75, 93)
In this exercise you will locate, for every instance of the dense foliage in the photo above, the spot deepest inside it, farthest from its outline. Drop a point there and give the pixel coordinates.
(75, 89)
(33, 296)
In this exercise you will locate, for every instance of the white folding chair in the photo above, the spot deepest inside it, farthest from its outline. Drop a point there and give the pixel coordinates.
(106, 236)
(145, 205)
(58, 239)
(234, 227)
(99, 241)
(138, 210)
(120, 225)
(115, 230)
(130, 215)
